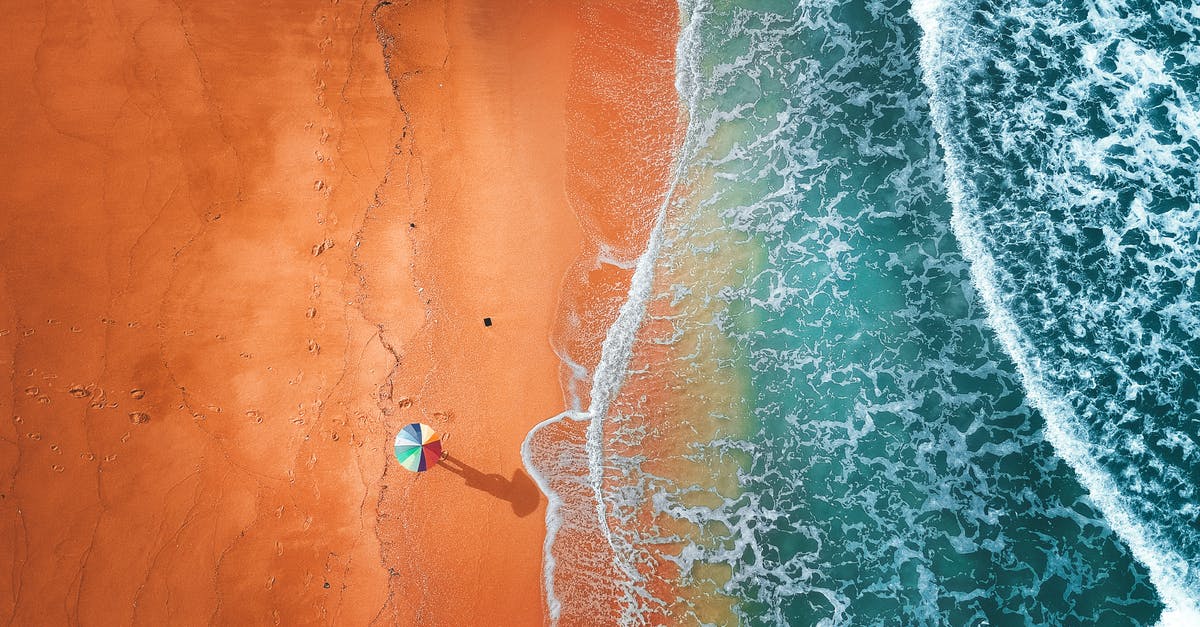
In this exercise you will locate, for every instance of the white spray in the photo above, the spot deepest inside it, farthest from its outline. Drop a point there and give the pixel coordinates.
(1167, 569)
(617, 349)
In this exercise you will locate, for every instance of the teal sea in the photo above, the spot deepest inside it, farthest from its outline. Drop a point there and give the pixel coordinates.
(958, 278)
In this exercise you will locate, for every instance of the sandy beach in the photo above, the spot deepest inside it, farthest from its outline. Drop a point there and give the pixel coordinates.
(481, 178)
(194, 432)
(242, 245)
(532, 127)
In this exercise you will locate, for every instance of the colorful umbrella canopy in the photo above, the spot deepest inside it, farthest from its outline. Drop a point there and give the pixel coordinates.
(418, 447)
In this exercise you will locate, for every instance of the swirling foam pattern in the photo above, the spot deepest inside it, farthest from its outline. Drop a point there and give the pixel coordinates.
(886, 384)
(896, 474)
(1072, 142)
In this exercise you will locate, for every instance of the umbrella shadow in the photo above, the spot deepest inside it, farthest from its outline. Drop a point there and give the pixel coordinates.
(520, 491)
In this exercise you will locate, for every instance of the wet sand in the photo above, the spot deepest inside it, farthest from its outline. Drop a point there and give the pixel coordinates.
(242, 245)
(625, 125)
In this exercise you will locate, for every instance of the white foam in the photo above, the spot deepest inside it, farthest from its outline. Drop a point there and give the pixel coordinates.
(553, 520)
(1168, 570)
(579, 374)
(617, 348)
(607, 255)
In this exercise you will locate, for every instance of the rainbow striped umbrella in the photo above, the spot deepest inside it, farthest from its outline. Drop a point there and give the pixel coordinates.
(418, 447)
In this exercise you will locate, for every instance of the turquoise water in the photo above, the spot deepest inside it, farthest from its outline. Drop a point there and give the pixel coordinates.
(1072, 143)
(899, 475)
(952, 249)
(909, 460)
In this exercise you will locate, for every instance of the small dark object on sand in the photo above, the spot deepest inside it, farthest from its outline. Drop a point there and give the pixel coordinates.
(487, 322)
(412, 225)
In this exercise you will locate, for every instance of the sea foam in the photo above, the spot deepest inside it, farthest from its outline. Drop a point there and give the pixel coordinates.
(1169, 571)
(617, 348)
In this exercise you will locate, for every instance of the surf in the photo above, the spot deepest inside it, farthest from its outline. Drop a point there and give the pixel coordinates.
(1170, 572)
(615, 354)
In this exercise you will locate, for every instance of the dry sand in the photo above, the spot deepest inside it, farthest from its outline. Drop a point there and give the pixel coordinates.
(242, 244)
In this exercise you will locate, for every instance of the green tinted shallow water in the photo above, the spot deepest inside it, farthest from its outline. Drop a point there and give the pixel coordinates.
(897, 382)
(896, 473)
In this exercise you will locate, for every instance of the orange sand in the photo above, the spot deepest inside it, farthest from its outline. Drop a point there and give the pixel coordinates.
(192, 433)
(480, 175)
(216, 314)
(527, 119)
(624, 125)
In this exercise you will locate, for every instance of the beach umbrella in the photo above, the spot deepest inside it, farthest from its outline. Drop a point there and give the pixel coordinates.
(418, 447)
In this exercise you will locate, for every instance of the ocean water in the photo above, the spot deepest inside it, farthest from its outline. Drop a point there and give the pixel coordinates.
(915, 339)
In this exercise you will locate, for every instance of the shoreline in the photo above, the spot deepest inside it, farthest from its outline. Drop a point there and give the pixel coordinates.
(591, 204)
(252, 259)
(624, 135)
(492, 235)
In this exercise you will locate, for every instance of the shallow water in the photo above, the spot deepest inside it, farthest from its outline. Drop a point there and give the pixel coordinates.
(905, 364)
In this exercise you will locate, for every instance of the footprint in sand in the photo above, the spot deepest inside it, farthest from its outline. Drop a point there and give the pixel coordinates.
(325, 245)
